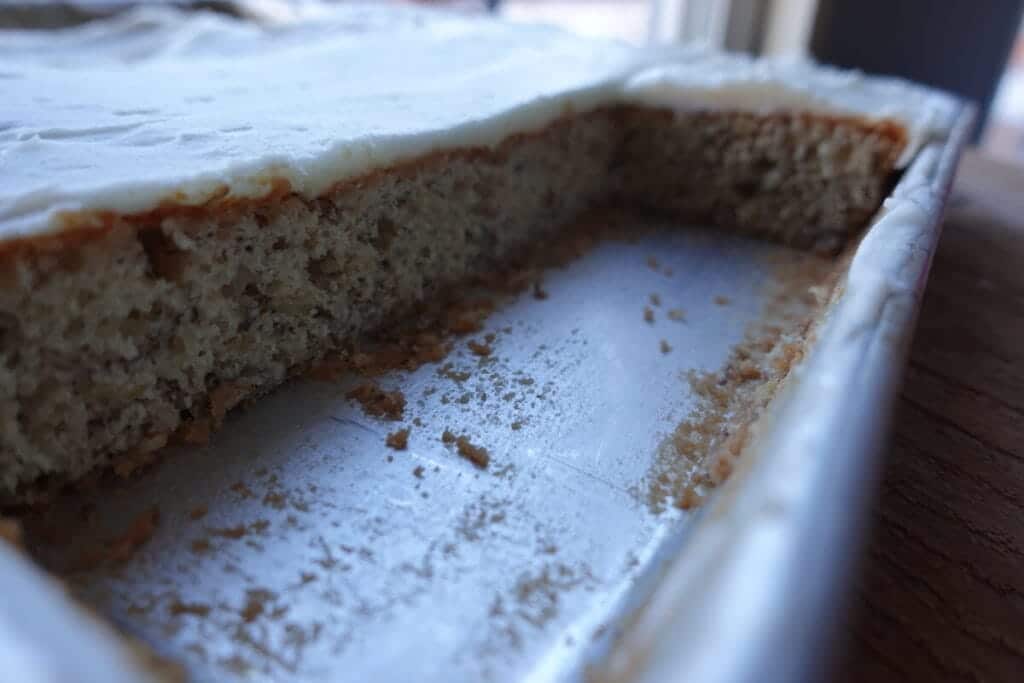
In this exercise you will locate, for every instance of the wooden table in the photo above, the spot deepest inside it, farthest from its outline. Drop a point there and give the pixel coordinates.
(941, 593)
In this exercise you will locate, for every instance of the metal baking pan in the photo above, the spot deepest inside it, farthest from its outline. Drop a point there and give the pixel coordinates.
(297, 546)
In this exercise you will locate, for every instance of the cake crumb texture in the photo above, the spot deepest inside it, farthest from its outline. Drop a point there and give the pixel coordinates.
(153, 327)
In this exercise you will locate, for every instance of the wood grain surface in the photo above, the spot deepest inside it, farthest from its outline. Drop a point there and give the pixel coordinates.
(940, 595)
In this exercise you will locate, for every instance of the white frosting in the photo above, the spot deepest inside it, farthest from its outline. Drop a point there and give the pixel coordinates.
(156, 104)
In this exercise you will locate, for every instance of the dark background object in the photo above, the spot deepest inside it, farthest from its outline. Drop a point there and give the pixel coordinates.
(957, 45)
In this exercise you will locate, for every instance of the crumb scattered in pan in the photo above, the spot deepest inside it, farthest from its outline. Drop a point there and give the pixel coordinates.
(466, 317)
(198, 512)
(676, 314)
(242, 490)
(200, 546)
(482, 349)
(256, 601)
(233, 532)
(689, 499)
(747, 371)
(707, 446)
(722, 300)
(539, 292)
(399, 440)
(664, 346)
(655, 299)
(517, 425)
(275, 499)
(195, 609)
(447, 437)
(389, 405)
(418, 471)
(648, 314)
(458, 376)
(475, 454)
(652, 263)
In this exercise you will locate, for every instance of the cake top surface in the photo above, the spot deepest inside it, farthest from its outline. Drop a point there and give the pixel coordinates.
(156, 105)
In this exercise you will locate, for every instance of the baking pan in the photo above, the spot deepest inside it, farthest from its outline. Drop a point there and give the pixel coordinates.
(297, 546)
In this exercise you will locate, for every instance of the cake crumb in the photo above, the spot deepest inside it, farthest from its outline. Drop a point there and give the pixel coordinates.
(468, 316)
(517, 425)
(232, 532)
(748, 371)
(200, 546)
(376, 402)
(475, 454)
(274, 499)
(447, 437)
(255, 604)
(655, 299)
(722, 300)
(688, 499)
(648, 314)
(664, 346)
(539, 292)
(198, 512)
(398, 440)
(457, 376)
(242, 490)
(194, 609)
(652, 263)
(482, 349)
(418, 471)
(676, 314)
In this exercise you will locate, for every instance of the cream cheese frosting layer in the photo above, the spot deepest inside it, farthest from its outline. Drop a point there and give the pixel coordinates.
(158, 105)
